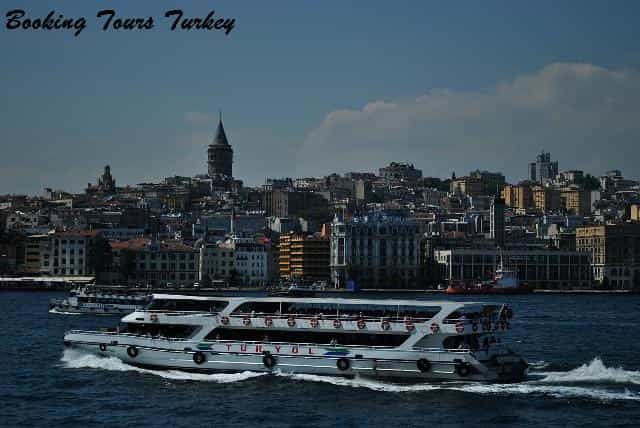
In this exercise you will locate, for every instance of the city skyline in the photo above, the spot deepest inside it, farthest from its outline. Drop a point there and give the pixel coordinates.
(327, 100)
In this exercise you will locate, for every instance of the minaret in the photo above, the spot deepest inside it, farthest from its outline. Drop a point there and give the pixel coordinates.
(220, 155)
(233, 223)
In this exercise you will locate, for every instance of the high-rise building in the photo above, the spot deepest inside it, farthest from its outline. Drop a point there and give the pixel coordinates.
(286, 203)
(220, 156)
(546, 199)
(492, 182)
(497, 222)
(519, 196)
(304, 257)
(543, 170)
(576, 200)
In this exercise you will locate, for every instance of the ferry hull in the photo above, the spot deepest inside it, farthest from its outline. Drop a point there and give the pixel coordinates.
(390, 364)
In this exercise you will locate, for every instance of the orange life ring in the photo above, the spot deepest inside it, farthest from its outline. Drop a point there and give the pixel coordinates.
(246, 320)
(385, 325)
(224, 320)
(435, 328)
(268, 321)
(409, 325)
(337, 323)
(291, 322)
(314, 322)
(361, 324)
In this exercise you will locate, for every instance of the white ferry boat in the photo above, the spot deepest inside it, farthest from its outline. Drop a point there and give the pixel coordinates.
(88, 300)
(408, 339)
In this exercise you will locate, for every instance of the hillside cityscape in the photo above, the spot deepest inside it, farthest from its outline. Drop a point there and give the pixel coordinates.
(391, 229)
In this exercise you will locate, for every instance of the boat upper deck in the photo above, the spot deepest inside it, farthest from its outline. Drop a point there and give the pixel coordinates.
(328, 300)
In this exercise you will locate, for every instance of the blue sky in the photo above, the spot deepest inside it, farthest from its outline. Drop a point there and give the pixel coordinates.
(309, 88)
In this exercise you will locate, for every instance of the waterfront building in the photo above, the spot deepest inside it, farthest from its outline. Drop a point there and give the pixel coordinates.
(158, 263)
(304, 257)
(376, 251)
(615, 252)
(538, 268)
(69, 252)
(58, 253)
(543, 170)
(251, 261)
(240, 260)
(216, 261)
(37, 254)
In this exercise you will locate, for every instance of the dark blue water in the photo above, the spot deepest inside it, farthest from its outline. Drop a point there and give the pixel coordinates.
(585, 350)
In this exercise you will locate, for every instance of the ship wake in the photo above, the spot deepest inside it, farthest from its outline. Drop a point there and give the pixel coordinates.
(592, 381)
(76, 359)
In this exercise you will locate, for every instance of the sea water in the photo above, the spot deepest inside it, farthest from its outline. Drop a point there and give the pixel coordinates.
(584, 353)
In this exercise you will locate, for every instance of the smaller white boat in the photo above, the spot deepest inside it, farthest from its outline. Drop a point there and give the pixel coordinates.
(88, 300)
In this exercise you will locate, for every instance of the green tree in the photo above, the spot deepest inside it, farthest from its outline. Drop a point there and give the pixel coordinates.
(99, 257)
(127, 263)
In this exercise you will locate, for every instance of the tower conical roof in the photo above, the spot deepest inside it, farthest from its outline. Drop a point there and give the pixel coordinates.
(221, 137)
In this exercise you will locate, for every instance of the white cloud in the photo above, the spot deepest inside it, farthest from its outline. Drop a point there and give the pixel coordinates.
(587, 116)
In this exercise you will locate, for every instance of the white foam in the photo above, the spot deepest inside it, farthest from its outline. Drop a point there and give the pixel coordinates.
(549, 385)
(594, 372)
(363, 383)
(526, 388)
(76, 359)
(55, 311)
(538, 365)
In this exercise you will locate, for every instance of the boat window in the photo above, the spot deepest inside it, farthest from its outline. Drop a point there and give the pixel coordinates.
(472, 313)
(467, 341)
(185, 305)
(329, 310)
(174, 331)
(302, 336)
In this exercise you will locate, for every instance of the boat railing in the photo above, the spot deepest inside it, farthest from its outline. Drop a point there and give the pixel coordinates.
(115, 332)
(176, 313)
(190, 341)
(330, 317)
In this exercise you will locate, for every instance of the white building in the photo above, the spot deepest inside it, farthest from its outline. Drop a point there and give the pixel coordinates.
(376, 251)
(68, 253)
(242, 259)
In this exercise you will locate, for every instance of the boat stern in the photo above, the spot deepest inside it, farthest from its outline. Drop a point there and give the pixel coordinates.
(506, 368)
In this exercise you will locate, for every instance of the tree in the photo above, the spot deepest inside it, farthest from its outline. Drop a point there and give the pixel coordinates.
(589, 182)
(100, 257)
(127, 263)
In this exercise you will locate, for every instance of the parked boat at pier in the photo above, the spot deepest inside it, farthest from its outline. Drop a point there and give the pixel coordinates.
(408, 339)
